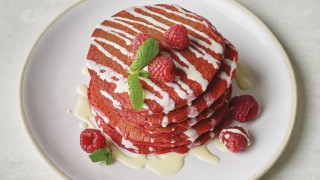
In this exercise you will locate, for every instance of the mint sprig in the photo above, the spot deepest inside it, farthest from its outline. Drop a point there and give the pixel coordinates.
(103, 154)
(145, 54)
(143, 74)
(136, 91)
(147, 51)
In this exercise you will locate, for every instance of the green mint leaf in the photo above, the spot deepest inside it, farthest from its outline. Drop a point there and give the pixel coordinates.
(145, 54)
(143, 74)
(135, 91)
(109, 160)
(103, 154)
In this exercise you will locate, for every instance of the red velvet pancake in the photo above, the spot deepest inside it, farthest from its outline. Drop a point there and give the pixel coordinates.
(177, 115)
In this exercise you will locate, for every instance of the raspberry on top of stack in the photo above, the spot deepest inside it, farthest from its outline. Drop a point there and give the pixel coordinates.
(185, 88)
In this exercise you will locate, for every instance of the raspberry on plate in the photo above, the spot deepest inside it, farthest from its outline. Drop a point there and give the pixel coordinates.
(91, 140)
(162, 68)
(138, 40)
(177, 37)
(235, 138)
(243, 108)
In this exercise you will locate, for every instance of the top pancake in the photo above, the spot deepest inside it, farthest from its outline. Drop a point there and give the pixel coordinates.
(110, 51)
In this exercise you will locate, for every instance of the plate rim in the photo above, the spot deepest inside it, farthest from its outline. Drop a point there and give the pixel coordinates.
(237, 4)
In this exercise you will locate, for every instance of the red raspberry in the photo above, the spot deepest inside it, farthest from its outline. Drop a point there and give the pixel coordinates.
(138, 40)
(162, 68)
(235, 138)
(91, 140)
(177, 37)
(243, 108)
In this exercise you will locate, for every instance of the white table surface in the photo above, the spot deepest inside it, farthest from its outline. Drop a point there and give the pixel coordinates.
(296, 24)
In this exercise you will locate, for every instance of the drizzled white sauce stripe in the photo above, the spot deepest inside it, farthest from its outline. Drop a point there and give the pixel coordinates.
(108, 28)
(167, 103)
(128, 144)
(196, 52)
(209, 99)
(193, 14)
(188, 13)
(193, 121)
(123, 50)
(95, 112)
(104, 51)
(115, 103)
(192, 134)
(139, 22)
(165, 121)
(116, 32)
(179, 13)
(182, 89)
(224, 75)
(187, 88)
(152, 96)
(112, 19)
(192, 72)
(193, 112)
(108, 75)
(180, 92)
(213, 122)
(206, 56)
(209, 113)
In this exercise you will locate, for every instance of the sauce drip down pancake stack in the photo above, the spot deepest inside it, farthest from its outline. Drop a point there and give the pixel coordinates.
(177, 115)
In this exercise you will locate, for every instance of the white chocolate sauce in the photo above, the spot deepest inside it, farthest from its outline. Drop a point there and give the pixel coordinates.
(241, 77)
(166, 164)
(115, 103)
(85, 72)
(116, 32)
(224, 75)
(165, 121)
(163, 165)
(83, 125)
(83, 112)
(193, 112)
(203, 153)
(108, 54)
(219, 145)
(82, 89)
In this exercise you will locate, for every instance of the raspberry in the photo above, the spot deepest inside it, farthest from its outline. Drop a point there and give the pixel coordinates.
(138, 40)
(235, 138)
(91, 140)
(243, 108)
(177, 37)
(162, 68)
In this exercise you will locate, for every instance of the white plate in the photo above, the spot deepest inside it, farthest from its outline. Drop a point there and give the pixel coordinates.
(53, 71)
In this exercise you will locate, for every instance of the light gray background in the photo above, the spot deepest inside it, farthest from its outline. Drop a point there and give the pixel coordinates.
(296, 24)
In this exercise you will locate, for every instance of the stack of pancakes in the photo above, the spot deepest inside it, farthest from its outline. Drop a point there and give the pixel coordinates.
(177, 115)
